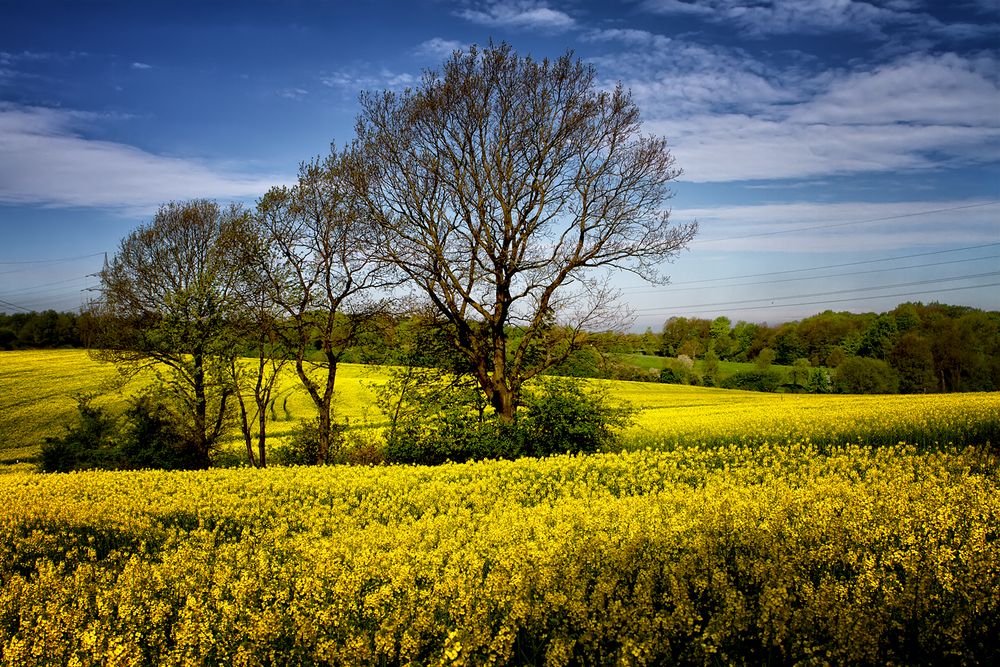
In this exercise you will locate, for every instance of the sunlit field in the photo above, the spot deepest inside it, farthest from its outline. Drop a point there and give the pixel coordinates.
(738, 528)
(38, 390)
(771, 554)
(37, 400)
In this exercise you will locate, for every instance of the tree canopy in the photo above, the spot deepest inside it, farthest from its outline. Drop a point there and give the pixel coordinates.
(506, 189)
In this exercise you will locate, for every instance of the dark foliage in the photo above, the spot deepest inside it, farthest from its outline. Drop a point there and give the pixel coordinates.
(88, 444)
(861, 375)
(146, 436)
(755, 380)
(558, 416)
(46, 329)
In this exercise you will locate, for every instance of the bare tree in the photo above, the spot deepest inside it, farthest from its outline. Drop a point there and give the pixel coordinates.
(167, 298)
(507, 189)
(258, 321)
(321, 268)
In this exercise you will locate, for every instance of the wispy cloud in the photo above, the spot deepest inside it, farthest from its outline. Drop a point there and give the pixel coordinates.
(793, 16)
(671, 76)
(44, 160)
(439, 48)
(139, 65)
(786, 17)
(355, 79)
(294, 93)
(519, 15)
(846, 226)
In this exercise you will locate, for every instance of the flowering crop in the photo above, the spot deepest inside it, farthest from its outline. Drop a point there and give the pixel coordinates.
(708, 554)
(36, 400)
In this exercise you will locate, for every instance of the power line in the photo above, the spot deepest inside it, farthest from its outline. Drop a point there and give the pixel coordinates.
(846, 224)
(829, 266)
(860, 298)
(831, 293)
(828, 275)
(14, 305)
(51, 261)
(41, 288)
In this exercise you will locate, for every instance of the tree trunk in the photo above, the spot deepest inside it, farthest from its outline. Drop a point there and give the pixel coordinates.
(200, 411)
(261, 437)
(504, 402)
(323, 402)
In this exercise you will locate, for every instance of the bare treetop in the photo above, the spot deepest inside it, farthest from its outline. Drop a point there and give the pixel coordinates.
(508, 187)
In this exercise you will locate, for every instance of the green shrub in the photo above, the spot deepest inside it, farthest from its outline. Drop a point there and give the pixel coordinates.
(146, 436)
(149, 438)
(756, 380)
(557, 416)
(561, 416)
(304, 446)
(860, 375)
(88, 444)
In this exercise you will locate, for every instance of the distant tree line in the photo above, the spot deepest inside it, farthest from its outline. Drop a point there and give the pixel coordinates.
(913, 348)
(45, 329)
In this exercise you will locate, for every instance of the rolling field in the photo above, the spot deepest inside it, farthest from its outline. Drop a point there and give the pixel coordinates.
(37, 391)
(740, 528)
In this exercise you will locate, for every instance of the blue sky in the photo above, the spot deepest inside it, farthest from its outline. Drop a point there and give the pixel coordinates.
(836, 153)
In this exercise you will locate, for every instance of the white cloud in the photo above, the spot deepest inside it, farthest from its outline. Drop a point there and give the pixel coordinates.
(988, 6)
(138, 65)
(792, 16)
(798, 227)
(294, 93)
(520, 15)
(45, 161)
(738, 147)
(439, 48)
(945, 90)
(730, 117)
(356, 79)
(669, 76)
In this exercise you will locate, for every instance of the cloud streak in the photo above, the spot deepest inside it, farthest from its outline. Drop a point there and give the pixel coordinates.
(438, 47)
(519, 15)
(797, 227)
(789, 16)
(45, 161)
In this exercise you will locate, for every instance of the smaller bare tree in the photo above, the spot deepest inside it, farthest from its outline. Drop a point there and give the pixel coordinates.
(257, 322)
(322, 271)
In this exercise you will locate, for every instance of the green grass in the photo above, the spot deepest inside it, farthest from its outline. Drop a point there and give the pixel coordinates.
(726, 368)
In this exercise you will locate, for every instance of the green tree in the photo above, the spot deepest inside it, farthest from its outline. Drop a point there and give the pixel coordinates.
(722, 340)
(862, 375)
(913, 361)
(800, 372)
(166, 301)
(765, 358)
(506, 190)
(710, 367)
(879, 338)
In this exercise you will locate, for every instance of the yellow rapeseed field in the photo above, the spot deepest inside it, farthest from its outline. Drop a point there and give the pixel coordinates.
(771, 554)
(37, 391)
(739, 528)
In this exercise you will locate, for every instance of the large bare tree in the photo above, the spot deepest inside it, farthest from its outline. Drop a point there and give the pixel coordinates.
(322, 271)
(507, 189)
(167, 299)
